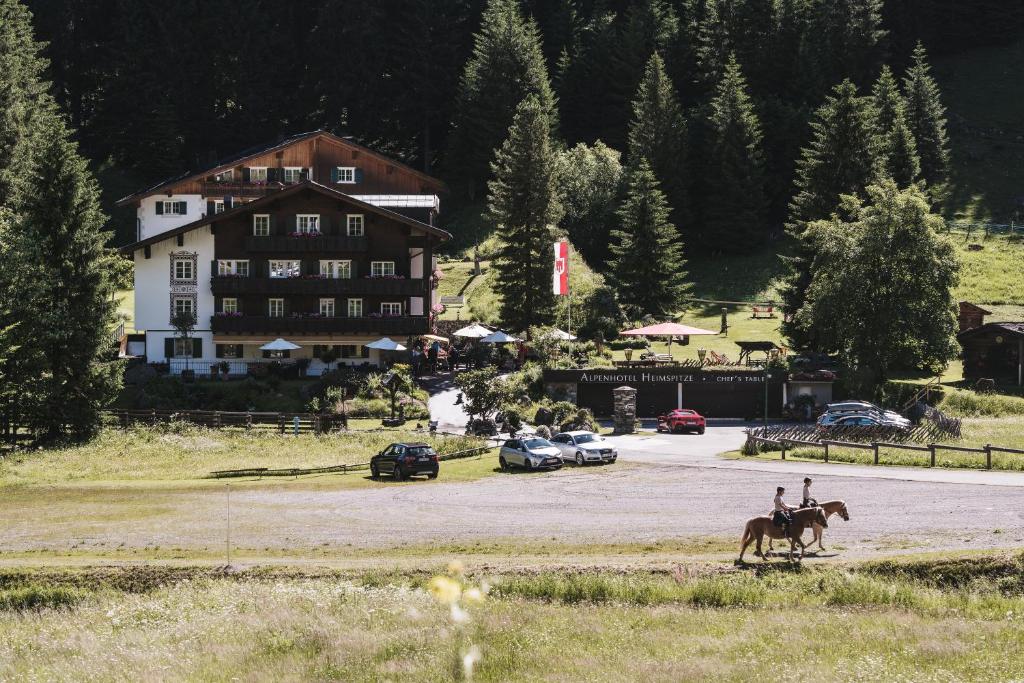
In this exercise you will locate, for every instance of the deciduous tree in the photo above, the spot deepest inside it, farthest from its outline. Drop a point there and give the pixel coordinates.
(589, 184)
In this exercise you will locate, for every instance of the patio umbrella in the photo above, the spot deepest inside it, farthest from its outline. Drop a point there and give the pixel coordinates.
(475, 331)
(669, 330)
(498, 337)
(385, 344)
(561, 335)
(279, 345)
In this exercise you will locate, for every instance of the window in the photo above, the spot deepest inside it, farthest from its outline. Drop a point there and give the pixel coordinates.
(391, 308)
(258, 174)
(182, 347)
(171, 208)
(218, 206)
(327, 308)
(336, 270)
(184, 269)
(275, 308)
(229, 350)
(292, 174)
(285, 268)
(261, 225)
(229, 305)
(307, 222)
(355, 224)
(224, 176)
(355, 308)
(354, 351)
(184, 304)
(345, 174)
(226, 268)
(382, 268)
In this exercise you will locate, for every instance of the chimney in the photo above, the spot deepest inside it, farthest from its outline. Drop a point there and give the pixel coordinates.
(971, 316)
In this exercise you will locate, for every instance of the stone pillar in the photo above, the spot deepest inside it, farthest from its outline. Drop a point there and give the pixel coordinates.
(625, 410)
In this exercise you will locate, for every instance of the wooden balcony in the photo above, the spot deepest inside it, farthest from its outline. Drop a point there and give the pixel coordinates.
(321, 243)
(261, 324)
(238, 188)
(230, 286)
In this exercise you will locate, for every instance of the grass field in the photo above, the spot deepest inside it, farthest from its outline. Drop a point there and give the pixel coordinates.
(907, 621)
(181, 452)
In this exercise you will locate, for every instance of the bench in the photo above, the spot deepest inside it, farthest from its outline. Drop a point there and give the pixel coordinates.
(762, 311)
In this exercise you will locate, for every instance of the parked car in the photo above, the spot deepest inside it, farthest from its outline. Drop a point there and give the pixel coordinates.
(865, 408)
(530, 452)
(402, 460)
(582, 447)
(835, 420)
(682, 420)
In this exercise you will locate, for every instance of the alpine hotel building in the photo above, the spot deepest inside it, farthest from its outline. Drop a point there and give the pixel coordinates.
(315, 239)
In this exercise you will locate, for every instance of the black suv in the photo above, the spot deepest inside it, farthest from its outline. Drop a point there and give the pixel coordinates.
(402, 460)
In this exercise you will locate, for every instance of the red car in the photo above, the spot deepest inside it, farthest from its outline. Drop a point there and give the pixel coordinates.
(682, 420)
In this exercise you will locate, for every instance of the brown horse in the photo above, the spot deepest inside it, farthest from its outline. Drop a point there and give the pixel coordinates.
(831, 507)
(759, 527)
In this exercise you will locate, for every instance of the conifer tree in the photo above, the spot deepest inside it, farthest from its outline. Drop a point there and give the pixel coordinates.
(842, 158)
(23, 92)
(507, 65)
(63, 309)
(712, 45)
(926, 118)
(895, 140)
(524, 207)
(657, 133)
(647, 266)
(735, 210)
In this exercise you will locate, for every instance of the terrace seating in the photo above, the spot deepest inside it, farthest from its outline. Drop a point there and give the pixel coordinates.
(762, 311)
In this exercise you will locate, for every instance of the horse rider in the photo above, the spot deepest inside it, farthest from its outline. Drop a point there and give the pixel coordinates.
(781, 516)
(807, 501)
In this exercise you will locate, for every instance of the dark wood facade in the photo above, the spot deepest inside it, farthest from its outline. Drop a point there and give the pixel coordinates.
(994, 351)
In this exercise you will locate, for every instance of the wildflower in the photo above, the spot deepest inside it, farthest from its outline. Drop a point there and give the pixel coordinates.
(470, 660)
(474, 595)
(445, 590)
(459, 615)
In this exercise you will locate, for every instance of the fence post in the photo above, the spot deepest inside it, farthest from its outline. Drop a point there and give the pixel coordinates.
(931, 451)
(280, 422)
(988, 456)
(216, 418)
(783, 449)
(248, 421)
(152, 416)
(875, 444)
(826, 451)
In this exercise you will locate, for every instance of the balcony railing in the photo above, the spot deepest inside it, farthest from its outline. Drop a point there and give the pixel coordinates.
(287, 243)
(256, 324)
(228, 286)
(238, 188)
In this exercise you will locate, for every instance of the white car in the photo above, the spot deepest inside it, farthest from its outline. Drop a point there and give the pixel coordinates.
(530, 452)
(583, 447)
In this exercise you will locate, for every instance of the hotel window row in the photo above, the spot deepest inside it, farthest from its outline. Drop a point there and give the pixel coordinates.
(355, 224)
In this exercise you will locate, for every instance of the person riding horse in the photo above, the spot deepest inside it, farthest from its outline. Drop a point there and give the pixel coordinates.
(782, 514)
(808, 502)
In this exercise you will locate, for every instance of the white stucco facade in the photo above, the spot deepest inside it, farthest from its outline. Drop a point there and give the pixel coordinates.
(150, 223)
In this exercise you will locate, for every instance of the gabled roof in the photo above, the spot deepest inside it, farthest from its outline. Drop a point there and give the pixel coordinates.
(233, 160)
(1013, 328)
(968, 306)
(273, 196)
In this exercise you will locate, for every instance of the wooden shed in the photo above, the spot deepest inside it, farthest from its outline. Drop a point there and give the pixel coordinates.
(994, 351)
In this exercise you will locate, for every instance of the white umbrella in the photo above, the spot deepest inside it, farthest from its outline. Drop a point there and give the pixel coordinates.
(561, 335)
(498, 337)
(385, 344)
(279, 345)
(473, 330)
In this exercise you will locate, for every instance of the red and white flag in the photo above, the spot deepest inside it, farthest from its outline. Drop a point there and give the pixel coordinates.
(561, 277)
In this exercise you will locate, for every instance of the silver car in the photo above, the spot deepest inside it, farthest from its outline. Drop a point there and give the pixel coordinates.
(583, 447)
(837, 410)
(530, 452)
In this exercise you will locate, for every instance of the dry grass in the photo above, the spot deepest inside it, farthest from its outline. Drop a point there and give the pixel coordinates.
(370, 629)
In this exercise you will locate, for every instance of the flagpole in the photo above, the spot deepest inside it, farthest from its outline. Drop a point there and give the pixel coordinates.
(568, 289)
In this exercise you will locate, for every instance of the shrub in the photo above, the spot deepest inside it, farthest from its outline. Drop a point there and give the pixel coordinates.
(39, 597)
(544, 432)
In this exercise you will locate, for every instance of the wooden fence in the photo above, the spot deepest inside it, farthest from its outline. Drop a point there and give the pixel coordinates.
(784, 443)
(219, 419)
(928, 430)
(260, 472)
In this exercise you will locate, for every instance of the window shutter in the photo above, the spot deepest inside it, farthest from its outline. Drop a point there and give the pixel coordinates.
(304, 174)
(317, 350)
(228, 202)
(210, 208)
(182, 208)
(169, 347)
(239, 351)
(295, 222)
(245, 174)
(271, 174)
(334, 174)
(197, 348)
(359, 175)
(159, 208)
(365, 351)
(220, 350)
